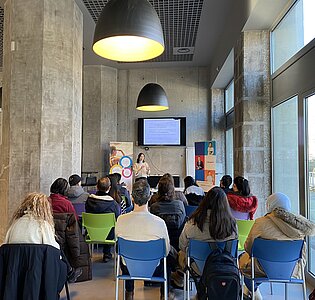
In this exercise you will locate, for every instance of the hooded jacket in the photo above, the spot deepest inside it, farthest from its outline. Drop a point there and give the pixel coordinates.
(61, 204)
(102, 203)
(76, 194)
(246, 204)
(278, 225)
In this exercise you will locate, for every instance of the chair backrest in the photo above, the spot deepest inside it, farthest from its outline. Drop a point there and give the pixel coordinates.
(190, 209)
(98, 226)
(32, 271)
(240, 215)
(244, 227)
(200, 250)
(277, 258)
(194, 199)
(90, 181)
(141, 257)
(79, 208)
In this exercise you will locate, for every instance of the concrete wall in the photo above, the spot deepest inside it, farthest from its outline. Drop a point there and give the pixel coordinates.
(42, 85)
(188, 94)
(99, 117)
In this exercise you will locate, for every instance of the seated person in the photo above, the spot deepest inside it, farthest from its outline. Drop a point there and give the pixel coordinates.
(225, 183)
(212, 221)
(102, 203)
(141, 225)
(192, 191)
(178, 194)
(115, 193)
(241, 200)
(59, 202)
(171, 210)
(278, 224)
(75, 193)
(123, 191)
(33, 223)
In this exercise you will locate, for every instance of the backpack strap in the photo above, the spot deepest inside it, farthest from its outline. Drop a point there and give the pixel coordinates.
(213, 245)
(228, 246)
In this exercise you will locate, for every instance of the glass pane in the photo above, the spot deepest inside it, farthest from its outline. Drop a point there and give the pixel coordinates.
(229, 152)
(229, 96)
(294, 31)
(310, 102)
(285, 151)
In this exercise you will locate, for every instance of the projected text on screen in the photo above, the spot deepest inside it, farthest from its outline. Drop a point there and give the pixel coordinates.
(161, 132)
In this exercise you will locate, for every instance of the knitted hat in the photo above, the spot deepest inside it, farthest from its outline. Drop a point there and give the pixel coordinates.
(278, 200)
(74, 179)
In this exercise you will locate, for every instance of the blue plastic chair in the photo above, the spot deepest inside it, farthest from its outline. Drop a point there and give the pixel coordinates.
(198, 251)
(189, 209)
(141, 259)
(278, 260)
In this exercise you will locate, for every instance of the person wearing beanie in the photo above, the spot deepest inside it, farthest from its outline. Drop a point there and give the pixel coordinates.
(75, 193)
(278, 224)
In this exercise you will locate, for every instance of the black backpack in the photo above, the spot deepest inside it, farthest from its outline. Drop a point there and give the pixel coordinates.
(220, 278)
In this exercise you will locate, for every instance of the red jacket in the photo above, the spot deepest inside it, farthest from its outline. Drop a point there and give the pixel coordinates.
(61, 204)
(246, 204)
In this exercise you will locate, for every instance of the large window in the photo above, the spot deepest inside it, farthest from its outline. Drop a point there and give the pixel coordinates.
(229, 121)
(293, 32)
(229, 96)
(310, 180)
(285, 151)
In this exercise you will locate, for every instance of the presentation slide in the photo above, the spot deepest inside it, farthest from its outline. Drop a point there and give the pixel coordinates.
(161, 132)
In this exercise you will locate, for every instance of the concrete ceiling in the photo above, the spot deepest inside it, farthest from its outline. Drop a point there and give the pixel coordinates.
(206, 22)
(203, 22)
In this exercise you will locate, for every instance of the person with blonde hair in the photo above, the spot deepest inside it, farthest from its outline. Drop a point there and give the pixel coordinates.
(32, 222)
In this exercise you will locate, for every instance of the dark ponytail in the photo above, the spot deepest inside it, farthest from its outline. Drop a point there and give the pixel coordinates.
(242, 185)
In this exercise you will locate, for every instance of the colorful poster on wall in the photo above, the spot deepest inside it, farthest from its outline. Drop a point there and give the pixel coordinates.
(120, 160)
(205, 160)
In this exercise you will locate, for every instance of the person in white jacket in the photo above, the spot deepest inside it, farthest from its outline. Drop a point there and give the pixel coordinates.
(32, 222)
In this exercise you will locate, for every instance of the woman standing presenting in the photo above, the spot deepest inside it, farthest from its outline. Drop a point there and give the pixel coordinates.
(141, 168)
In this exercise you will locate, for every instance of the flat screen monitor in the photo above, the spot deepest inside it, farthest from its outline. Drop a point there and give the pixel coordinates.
(168, 131)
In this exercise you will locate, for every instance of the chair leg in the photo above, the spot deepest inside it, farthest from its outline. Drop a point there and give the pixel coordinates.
(188, 286)
(304, 286)
(67, 290)
(165, 276)
(117, 289)
(242, 286)
(185, 285)
(286, 291)
(271, 290)
(124, 289)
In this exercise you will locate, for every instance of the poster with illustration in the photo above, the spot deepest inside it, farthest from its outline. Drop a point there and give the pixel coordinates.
(120, 160)
(205, 163)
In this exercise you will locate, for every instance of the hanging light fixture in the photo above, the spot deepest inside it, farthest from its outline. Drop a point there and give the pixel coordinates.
(128, 31)
(152, 97)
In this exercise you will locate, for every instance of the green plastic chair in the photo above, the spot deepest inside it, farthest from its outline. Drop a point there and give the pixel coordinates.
(98, 227)
(244, 227)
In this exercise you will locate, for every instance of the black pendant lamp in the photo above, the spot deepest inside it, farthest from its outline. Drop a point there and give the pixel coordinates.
(152, 97)
(128, 31)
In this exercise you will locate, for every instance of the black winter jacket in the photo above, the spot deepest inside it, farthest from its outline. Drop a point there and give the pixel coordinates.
(31, 272)
(102, 203)
(72, 242)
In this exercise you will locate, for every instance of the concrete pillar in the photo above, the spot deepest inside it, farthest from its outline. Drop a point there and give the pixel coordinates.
(252, 156)
(42, 98)
(99, 117)
(218, 130)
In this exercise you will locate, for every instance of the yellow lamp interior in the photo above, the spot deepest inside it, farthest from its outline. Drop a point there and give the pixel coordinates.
(152, 108)
(128, 48)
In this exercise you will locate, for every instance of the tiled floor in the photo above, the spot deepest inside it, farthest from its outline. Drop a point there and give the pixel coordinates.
(103, 287)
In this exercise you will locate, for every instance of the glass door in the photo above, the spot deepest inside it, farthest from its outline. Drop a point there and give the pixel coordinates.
(310, 174)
